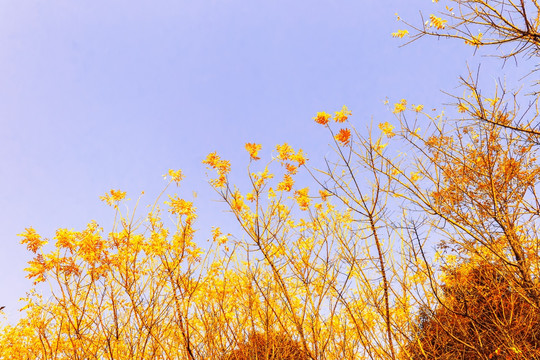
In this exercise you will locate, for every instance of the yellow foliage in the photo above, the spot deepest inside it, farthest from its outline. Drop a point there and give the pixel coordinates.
(437, 22)
(400, 33)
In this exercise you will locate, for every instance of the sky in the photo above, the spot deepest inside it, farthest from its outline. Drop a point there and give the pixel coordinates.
(98, 95)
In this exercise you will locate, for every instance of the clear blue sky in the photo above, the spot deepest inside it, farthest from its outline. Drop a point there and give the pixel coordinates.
(101, 94)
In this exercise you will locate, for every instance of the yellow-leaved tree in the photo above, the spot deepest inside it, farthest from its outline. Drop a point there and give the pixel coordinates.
(429, 255)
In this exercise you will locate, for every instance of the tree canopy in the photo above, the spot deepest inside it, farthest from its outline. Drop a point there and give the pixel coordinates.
(418, 240)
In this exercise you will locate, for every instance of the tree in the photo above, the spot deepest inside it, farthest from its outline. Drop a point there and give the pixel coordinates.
(483, 189)
(486, 23)
(268, 346)
(480, 316)
(339, 268)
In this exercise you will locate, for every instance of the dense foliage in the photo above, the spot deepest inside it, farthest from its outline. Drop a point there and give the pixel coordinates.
(418, 241)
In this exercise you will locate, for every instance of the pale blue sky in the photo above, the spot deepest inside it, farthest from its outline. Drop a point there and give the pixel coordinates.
(100, 94)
